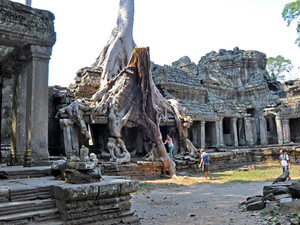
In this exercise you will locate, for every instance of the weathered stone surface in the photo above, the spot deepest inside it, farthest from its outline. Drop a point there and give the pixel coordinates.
(75, 176)
(295, 189)
(270, 207)
(270, 197)
(21, 25)
(285, 200)
(278, 197)
(258, 205)
(275, 189)
(290, 207)
(254, 199)
(282, 177)
(58, 167)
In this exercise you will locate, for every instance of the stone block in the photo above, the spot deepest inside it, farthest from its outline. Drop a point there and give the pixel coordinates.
(75, 192)
(295, 189)
(275, 189)
(285, 200)
(282, 177)
(278, 197)
(259, 205)
(109, 190)
(290, 207)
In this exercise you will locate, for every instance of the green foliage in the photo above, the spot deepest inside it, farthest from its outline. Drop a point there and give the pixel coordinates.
(276, 67)
(290, 13)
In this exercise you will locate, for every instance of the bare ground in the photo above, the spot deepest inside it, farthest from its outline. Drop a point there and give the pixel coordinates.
(205, 203)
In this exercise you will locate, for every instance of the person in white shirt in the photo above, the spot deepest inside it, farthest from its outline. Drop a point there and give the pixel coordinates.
(284, 161)
(170, 145)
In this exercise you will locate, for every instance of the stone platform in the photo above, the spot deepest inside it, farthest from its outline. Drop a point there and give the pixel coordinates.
(45, 200)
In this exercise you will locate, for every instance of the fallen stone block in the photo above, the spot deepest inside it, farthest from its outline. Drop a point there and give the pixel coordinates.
(282, 177)
(295, 189)
(278, 197)
(285, 200)
(270, 197)
(275, 189)
(259, 205)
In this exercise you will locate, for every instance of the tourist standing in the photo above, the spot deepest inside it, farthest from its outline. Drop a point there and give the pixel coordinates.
(170, 145)
(284, 161)
(205, 160)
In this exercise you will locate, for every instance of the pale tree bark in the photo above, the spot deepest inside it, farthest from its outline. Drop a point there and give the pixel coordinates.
(116, 53)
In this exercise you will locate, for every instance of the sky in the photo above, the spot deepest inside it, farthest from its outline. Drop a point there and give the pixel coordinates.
(171, 28)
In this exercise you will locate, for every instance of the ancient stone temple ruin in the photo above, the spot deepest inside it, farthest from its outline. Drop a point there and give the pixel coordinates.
(229, 95)
(226, 103)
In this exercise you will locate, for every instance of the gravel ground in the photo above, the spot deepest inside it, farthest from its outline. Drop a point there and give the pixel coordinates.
(205, 203)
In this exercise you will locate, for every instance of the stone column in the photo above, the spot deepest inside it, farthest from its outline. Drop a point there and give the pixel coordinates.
(217, 123)
(18, 122)
(235, 136)
(194, 133)
(37, 107)
(221, 132)
(279, 130)
(202, 134)
(241, 131)
(248, 131)
(263, 131)
(198, 135)
(286, 131)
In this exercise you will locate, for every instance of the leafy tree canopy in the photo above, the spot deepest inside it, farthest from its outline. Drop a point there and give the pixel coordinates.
(290, 13)
(276, 67)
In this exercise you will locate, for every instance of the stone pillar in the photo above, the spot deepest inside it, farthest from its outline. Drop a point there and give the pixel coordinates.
(18, 120)
(279, 130)
(221, 132)
(286, 131)
(71, 140)
(235, 136)
(217, 123)
(241, 131)
(263, 131)
(198, 135)
(194, 133)
(254, 122)
(202, 134)
(37, 107)
(248, 131)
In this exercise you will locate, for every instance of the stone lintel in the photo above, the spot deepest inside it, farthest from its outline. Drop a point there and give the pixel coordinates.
(22, 25)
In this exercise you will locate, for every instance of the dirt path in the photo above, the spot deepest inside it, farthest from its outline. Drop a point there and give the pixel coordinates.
(205, 203)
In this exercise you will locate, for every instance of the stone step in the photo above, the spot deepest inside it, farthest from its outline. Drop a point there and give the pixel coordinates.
(20, 172)
(25, 206)
(30, 194)
(32, 217)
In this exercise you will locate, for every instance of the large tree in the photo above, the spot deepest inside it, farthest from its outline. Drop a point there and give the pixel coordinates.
(290, 13)
(127, 93)
(278, 66)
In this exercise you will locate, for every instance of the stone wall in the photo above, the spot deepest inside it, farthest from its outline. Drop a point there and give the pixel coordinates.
(105, 202)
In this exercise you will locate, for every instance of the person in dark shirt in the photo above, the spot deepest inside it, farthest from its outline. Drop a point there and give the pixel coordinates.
(205, 160)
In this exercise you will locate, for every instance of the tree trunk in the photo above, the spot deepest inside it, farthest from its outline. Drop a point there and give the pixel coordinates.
(116, 53)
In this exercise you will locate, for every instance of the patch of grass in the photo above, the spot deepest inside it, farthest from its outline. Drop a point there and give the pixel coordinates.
(263, 172)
